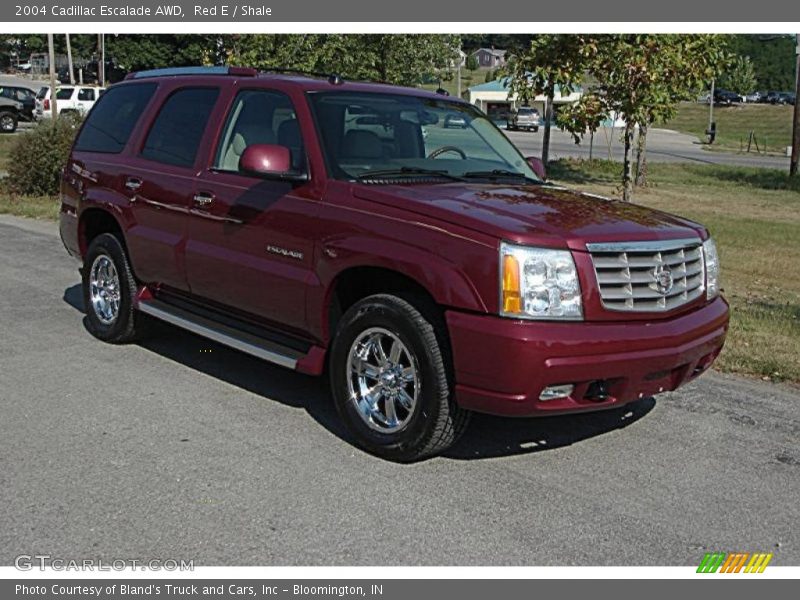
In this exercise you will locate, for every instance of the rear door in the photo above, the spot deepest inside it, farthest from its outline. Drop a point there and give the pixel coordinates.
(159, 180)
(65, 99)
(85, 99)
(249, 245)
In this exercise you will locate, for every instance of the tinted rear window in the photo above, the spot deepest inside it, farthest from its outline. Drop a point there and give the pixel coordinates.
(64, 93)
(179, 127)
(42, 92)
(113, 118)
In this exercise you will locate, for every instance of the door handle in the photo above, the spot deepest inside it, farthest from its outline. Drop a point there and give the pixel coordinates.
(133, 183)
(203, 199)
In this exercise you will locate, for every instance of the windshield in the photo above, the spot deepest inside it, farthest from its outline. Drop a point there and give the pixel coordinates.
(387, 135)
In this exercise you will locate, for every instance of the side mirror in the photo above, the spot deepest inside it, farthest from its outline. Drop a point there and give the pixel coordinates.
(535, 163)
(267, 160)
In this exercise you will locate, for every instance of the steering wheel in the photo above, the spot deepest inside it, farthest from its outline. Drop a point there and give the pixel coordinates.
(444, 149)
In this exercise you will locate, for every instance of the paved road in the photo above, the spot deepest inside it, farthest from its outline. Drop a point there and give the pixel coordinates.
(663, 145)
(179, 448)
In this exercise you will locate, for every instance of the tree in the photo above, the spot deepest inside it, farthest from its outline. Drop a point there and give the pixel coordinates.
(393, 58)
(550, 62)
(772, 56)
(641, 79)
(472, 62)
(134, 52)
(740, 76)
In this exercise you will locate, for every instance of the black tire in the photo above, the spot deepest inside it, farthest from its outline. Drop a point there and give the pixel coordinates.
(124, 327)
(436, 422)
(8, 122)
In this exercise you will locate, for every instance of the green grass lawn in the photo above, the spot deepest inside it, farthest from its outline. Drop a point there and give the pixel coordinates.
(33, 207)
(772, 125)
(754, 215)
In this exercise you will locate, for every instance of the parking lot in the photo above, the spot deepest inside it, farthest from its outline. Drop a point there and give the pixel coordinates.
(180, 448)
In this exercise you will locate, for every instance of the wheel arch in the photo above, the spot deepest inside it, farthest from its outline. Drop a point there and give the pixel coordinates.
(95, 221)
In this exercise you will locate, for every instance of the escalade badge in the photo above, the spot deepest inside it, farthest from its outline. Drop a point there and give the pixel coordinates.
(663, 279)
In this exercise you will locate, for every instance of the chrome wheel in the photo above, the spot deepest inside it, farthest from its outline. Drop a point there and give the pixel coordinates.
(104, 290)
(383, 380)
(7, 123)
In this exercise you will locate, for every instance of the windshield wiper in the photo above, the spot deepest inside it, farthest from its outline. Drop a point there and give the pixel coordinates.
(500, 174)
(407, 172)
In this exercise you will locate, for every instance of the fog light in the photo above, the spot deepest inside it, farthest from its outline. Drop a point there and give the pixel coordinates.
(553, 392)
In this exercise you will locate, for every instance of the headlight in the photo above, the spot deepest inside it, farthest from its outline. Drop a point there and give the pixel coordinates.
(538, 283)
(711, 259)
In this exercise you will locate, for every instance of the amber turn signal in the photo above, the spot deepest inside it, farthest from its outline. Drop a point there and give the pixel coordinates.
(512, 298)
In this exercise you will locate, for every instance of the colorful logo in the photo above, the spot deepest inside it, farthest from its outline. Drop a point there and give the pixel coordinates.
(734, 562)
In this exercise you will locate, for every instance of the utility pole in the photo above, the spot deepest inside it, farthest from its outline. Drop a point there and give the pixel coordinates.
(52, 56)
(69, 62)
(796, 134)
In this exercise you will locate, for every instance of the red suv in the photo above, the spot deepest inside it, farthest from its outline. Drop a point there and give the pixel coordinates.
(325, 225)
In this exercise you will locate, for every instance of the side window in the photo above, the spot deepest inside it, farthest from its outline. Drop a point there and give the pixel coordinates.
(86, 94)
(176, 133)
(111, 121)
(64, 93)
(259, 117)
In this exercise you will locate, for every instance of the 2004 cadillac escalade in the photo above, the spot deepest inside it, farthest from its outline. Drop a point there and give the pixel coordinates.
(325, 225)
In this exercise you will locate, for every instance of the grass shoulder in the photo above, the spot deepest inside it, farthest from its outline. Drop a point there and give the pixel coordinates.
(771, 125)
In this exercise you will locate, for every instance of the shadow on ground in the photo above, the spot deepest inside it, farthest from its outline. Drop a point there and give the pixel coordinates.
(486, 437)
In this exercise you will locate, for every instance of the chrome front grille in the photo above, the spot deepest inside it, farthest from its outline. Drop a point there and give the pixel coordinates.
(652, 276)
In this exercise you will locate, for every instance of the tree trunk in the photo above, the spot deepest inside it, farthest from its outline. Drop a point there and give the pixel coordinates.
(548, 117)
(627, 180)
(641, 156)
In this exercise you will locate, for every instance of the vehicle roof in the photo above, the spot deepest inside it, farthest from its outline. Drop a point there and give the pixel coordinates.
(303, 82)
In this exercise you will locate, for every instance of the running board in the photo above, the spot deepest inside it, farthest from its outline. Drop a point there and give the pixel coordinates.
(228, 336)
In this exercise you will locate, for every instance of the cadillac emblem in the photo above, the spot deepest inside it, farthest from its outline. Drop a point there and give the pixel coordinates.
(662, 277)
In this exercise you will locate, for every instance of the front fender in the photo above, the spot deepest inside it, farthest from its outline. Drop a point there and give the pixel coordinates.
(444, 280)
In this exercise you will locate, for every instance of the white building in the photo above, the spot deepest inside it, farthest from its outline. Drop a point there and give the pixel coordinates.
(495, 99)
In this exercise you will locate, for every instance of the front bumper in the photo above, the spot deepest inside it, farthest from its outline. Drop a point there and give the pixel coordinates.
(502, 365)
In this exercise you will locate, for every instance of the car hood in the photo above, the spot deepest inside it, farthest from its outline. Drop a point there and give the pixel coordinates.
(539, 214)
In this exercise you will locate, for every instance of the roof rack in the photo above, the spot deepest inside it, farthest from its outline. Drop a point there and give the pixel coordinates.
(173, 71)
(333, 78)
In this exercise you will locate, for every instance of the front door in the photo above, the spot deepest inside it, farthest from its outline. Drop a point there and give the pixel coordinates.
(248, 244)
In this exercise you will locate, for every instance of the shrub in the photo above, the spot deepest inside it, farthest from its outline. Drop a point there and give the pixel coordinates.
(37, 157)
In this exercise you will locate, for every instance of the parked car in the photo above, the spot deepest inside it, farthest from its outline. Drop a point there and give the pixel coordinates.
(526, 118)
(455, 120)
(753, 97)
(428, 276)
(787, 98)
(726, 98)
(775, 97)
(69, 99)
(23, 95)
(10, 114)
